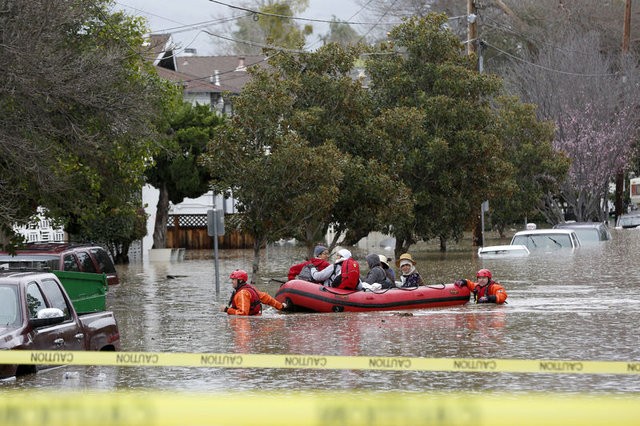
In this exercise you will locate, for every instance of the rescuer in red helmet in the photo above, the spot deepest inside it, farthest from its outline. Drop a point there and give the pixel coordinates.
(485, 290)
(246, 299)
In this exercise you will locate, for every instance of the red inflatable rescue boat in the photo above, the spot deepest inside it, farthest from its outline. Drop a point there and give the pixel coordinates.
(306, 296)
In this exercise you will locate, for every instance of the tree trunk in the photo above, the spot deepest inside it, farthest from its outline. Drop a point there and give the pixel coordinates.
(255, 268)
(477, 233)
(619, 195)
(162, 215)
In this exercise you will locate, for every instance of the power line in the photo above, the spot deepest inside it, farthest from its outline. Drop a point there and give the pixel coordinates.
(517, 58)
(297, 18)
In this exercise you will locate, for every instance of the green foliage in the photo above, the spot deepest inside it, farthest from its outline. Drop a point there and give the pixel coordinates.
(538, 168)
(431, 97)
(341, 33)
(306, 155)
(78, 100)
(271, 27)
(177, 166)
(116, 228)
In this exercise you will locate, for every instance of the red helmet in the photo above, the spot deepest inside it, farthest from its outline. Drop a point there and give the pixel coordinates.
(239, 274)
(484, 273)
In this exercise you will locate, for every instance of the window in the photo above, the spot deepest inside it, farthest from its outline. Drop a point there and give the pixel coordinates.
(86, 262)
(9, 307)
(55, 296)
(35, 300)
(104, 261)
(69, 263)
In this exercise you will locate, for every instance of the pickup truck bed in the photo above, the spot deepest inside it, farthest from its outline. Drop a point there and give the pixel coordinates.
(36, 313)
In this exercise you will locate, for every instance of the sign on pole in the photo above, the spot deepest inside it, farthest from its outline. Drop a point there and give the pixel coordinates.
(483, 208)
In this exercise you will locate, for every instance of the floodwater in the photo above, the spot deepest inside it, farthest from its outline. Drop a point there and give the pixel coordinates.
(571, 306)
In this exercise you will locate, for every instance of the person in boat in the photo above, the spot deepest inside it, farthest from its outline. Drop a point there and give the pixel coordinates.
(302, 271)
(376, 273)
(409, 276)
(246, 299)
(485, 290)
(345, 272)
(391, 274)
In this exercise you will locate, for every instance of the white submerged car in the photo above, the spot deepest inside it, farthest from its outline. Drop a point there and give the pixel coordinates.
(547, 239)
(496, 252)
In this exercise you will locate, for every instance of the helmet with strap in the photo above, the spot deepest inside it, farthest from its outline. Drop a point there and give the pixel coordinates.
(239, 275)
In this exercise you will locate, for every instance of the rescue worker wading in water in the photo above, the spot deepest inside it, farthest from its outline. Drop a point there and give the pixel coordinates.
(246, 299)
(485, 290)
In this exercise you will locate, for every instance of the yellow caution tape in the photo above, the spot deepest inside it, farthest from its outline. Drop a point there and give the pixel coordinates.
(21, 408)
(215, 360)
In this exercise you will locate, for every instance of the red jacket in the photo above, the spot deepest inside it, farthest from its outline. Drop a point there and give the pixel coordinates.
(316, 261)
(491, 289)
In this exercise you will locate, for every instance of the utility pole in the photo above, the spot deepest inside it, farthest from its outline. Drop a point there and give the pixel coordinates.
(472, 27)
(626, 29)
(626, 35)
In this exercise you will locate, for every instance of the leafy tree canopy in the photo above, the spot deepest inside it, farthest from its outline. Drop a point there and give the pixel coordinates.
(77, 109)
(450, 158)
(312, 125)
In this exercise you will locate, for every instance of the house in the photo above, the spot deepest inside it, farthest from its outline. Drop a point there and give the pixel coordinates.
(41, 230)
(206, 80)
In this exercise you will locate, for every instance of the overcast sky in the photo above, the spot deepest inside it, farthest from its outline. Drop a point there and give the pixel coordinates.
(179, 16)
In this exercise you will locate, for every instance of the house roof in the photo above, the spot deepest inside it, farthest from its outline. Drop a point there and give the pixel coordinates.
(159, 50)
(200, 73)
(190, 83)
(232, 70)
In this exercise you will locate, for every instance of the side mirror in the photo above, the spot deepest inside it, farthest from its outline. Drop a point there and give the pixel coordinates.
(47, 316)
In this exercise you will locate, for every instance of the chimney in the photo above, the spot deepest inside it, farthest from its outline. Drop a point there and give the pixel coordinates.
(215, 78)
(190, 51)
(241, 66)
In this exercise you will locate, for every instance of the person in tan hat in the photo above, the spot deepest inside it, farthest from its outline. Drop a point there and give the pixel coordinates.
(409, 276)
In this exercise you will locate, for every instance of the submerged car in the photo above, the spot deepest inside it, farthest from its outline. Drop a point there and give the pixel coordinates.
(61, 257)
(503, 251)
(626, 221)
(547, 239)
(588, 232)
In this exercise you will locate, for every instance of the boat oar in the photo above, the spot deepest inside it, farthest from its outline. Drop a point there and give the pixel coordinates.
(277, 280)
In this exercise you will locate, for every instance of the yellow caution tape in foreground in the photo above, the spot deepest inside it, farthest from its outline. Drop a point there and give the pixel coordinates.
(320, 408)
(214, 360)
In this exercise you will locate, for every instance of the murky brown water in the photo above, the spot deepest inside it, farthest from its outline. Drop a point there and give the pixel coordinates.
(576, 306)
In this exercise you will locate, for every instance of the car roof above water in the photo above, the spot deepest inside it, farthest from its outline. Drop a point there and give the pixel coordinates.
(587, 231)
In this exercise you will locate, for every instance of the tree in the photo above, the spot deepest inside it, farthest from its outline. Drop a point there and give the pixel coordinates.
(538, 168)
(270, 26)
(77, 110)
(313, 123)
(388, 13)
(117, 229)
(287, 191)
(451, 159)
(593, 97)
(177, 172)
(341, 33)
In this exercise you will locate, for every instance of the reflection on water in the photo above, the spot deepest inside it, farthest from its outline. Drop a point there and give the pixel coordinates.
(575, 306)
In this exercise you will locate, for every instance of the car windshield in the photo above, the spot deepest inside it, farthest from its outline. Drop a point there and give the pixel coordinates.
(10, 314)
(543, 241)
(588, 235)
